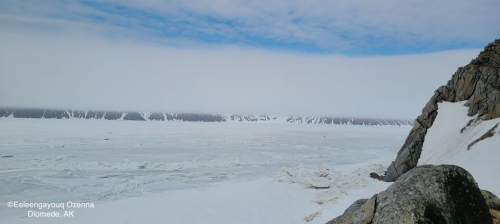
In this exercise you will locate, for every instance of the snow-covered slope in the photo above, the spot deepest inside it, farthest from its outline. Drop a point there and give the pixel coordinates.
(471, 143)
(194, 117)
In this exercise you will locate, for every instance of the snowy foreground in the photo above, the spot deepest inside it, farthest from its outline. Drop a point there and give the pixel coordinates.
(153, 172)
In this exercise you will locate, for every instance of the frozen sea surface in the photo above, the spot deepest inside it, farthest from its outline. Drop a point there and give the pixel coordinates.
(183, 168)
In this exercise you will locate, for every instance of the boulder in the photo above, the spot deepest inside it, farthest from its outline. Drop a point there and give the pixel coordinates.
(376, 176)
(426, 194)
(360, 212)
(478, 83)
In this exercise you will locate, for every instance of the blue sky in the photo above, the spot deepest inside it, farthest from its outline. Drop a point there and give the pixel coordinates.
(355, 28)
(368, 58)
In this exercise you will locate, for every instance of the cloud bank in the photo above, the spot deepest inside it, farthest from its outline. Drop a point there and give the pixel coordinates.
(96, 73)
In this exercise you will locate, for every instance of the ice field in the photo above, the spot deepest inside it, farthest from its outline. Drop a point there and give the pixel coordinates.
(183, 172)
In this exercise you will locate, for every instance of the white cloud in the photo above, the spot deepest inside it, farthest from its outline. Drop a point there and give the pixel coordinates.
(340, 25)
(325, 22)
(93, 72)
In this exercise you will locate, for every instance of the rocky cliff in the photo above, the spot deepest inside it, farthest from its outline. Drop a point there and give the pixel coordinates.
(477, 83)
(193, 117)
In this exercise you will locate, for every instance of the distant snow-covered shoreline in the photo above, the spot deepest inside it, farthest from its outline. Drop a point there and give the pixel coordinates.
(196, 117)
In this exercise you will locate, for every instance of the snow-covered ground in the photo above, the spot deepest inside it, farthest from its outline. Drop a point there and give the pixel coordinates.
(181, 172)
(446, 143)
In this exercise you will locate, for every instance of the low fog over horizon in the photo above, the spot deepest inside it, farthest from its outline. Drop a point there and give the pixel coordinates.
(104, 75)
(87, 55)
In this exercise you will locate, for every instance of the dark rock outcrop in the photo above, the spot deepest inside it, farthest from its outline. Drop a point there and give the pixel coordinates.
(376, 176)
(426, 194)
(169, 117)
(156, 117)
(264, 118)
(239, 117)
(77, 114)
(28, 113)
(56, 114)
(198, 117)
(478, 83)
(8, 112)
(95, 114)
(113, 115)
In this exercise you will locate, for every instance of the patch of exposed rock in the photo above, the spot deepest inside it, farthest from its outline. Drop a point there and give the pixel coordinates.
(426, 194)
(496, 216)
(492, 201)
(376, 176)
(478, 83)
(488, 134)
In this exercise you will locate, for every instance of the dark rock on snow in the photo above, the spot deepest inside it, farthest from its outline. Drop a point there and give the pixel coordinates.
(113, 115)
(376, 176)
(199, 117)
(156, 117)
(55, 114)
(488, 134)
(78, 114)
(95, 114)
(8, 112)
(29, 113)
(426, 194)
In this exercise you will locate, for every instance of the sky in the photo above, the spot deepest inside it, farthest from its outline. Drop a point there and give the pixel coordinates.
(381, 59)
